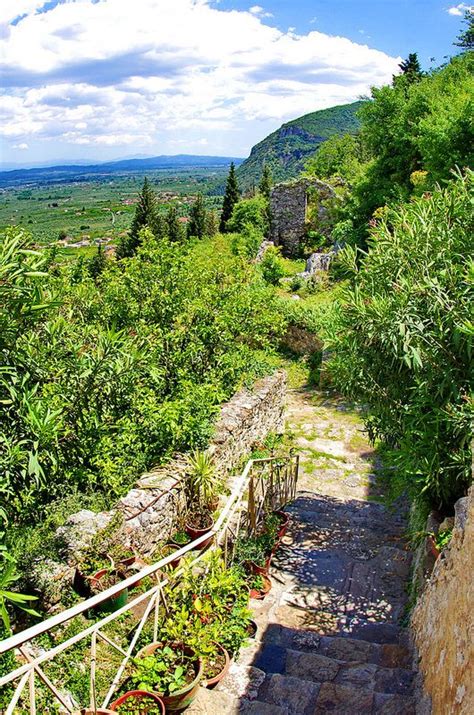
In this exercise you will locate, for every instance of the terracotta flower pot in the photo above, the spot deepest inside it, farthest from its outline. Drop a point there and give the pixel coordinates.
(252, 629)
(256, 569)
(284, 522)
(181, 699)
(167, 550)
(212, 682)
(98, 711)
(260, 594)
(133, 564)
(194, 533)
(134, 696)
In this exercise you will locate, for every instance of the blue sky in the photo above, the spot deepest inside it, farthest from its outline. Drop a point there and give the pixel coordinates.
(100, 79)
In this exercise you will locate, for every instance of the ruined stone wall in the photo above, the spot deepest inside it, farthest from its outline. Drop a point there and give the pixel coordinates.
(443, 622)
(151, 508)
(288, 203)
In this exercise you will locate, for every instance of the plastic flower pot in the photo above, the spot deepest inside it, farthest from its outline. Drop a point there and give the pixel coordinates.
(194, 533)
(284, 522)
(260, 594)
(114, 602)
(212, 682)
(139, 700)
(181, 699)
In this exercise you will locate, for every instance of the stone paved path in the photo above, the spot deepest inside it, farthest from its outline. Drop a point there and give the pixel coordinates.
(329, 637)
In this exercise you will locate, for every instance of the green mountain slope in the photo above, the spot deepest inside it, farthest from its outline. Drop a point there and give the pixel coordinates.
(287, 149)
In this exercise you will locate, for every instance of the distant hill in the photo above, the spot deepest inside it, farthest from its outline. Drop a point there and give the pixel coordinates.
(287, 149)
(81, 172)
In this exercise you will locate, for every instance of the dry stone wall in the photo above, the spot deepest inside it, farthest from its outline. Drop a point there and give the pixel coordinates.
(288, 204)
(443, 622)
(151, 508)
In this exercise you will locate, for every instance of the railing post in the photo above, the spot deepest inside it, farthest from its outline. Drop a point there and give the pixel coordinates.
(251, 506)
(32, 692)
(93, 697)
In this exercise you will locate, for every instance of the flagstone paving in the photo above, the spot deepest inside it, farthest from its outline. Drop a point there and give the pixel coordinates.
(330, 638)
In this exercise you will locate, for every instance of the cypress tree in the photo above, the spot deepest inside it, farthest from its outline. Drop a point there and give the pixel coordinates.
(197, 218)
(145, 215)
(97, 263)
(266, 181)
(173, 225)
(231, 197)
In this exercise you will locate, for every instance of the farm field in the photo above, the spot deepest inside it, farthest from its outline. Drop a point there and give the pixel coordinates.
(100, 209)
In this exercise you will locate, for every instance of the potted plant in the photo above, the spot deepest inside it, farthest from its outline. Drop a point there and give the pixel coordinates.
(260, 586)
(104, 579)
(168, 549)
(201, 488)
(216, 665)
(283, 522)
(138, 702)
(96, 711)
(172, 671)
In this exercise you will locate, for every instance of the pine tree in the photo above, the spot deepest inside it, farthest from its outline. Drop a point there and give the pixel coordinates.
(231, 197)
(411, 68)
(174, 229)
(266, 182)
(466, 38)
(197, 218)
(212, 223)
(145, 215)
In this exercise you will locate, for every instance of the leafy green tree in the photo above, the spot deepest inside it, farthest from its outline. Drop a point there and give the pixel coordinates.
(145, 215)
(339, 156)
(251, 212)
(174, 228)
(465, 39)
(272, 266)
(212, 223)
(197, 218)
(403, 340)
(231, 197)
(266, 181)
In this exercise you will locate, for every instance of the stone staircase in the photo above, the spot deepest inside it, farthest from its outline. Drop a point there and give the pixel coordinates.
(330, 638)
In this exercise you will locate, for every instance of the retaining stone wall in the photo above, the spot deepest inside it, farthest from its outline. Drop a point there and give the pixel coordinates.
(151, 508)
(443, 623)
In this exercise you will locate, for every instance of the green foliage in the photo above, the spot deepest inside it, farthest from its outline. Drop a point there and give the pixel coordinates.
(145, 217)
(443, 538)
(266, 181)
(465, 39)
(231, 197)
(410, 69)
(403, 339)
(250, 213)
(163, 672)
(173, 227)
(202, 483)
(124, 371)
(197, 218)
(8, 598)
(339, 156)
(272, 266)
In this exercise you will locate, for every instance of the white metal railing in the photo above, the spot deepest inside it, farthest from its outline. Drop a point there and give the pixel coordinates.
(269, 482)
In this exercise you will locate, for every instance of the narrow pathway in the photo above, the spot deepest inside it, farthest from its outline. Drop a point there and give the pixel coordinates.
(330, 638)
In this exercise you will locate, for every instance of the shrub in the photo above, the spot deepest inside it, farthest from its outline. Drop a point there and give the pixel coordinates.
(403, 339)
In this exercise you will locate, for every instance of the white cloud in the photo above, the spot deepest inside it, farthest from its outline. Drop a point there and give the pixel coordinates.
(459, 10)
(21, 146)
(104, 74)
(259, 10)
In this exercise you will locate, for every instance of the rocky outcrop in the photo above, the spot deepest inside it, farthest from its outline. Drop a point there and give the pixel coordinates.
(443, 622)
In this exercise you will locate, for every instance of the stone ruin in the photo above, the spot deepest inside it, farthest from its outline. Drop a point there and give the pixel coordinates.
(289, 206)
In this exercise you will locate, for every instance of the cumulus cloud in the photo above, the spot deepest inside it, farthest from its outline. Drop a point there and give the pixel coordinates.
(259, 10)
(154, 73)
(459, 10)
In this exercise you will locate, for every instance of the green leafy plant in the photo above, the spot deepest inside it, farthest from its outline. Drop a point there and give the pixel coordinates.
(9, 598)
(442, 538)
(167, 671)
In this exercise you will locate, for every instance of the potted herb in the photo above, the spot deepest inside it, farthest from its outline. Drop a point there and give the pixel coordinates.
(139, 702)
(201, 487)
(216, 665)
(172, 671)
(180, 538)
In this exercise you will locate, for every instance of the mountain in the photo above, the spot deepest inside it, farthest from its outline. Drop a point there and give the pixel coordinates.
(287, 150)
(81, 172)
